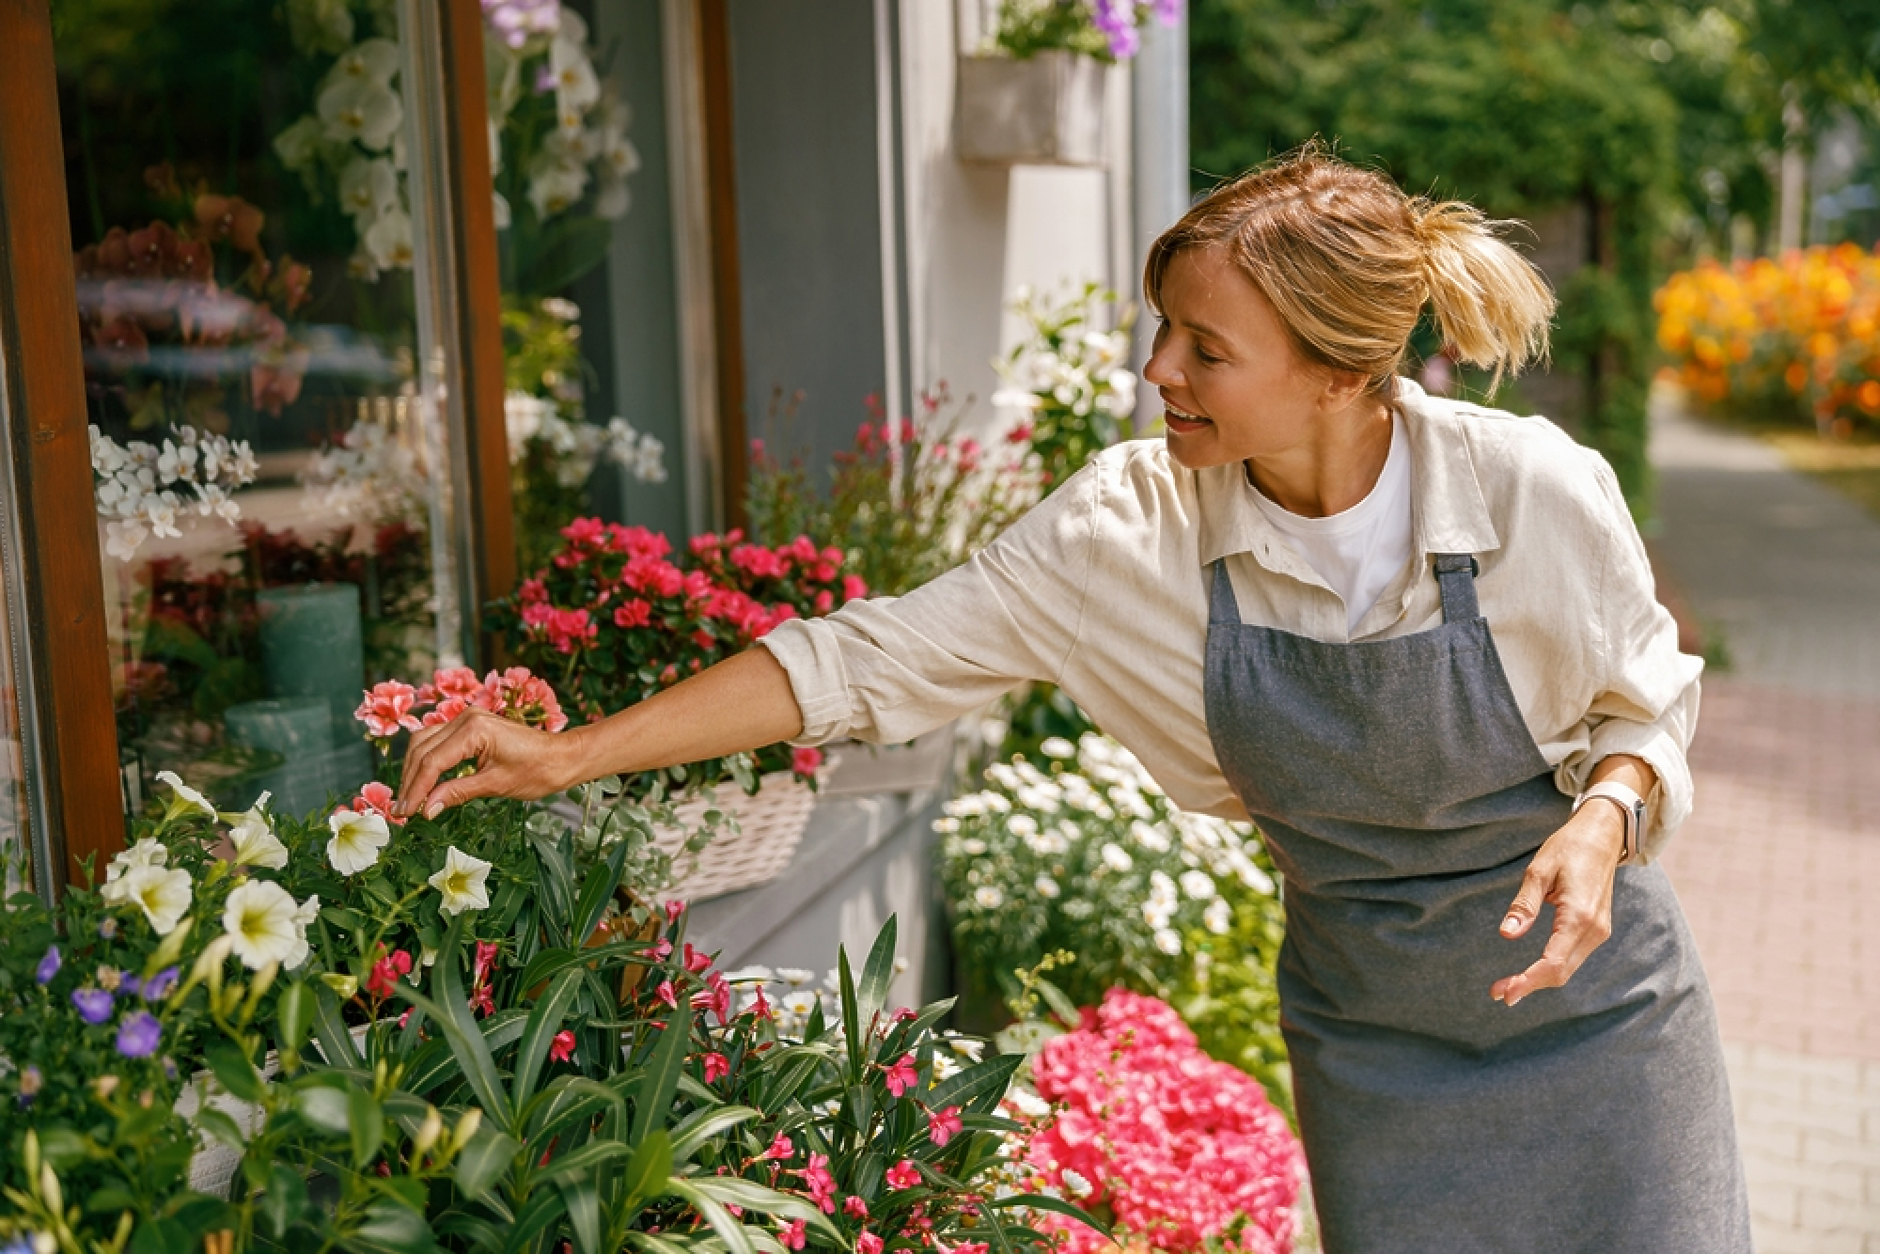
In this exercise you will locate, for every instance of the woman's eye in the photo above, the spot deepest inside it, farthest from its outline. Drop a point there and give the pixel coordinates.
(1207, 358)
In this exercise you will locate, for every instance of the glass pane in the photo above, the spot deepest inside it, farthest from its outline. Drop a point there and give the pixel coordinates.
(16, 851)
(243, 197)
(577, 98)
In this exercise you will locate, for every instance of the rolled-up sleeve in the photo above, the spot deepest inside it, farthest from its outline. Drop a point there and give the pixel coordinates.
(887, 669)
(1647, 698)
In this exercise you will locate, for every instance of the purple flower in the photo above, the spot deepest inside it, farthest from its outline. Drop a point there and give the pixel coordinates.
(49, 965)
(1168, 12)
(1117, 20)
(107, 928)
(94, 1004)
(160, 984)
(129, 985)
(139, 1035)
(31, 1081)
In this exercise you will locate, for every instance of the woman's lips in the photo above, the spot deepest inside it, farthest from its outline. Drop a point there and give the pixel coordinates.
(1180, 421)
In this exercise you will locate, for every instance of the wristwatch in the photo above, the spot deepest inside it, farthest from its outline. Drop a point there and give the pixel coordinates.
(1630, 803)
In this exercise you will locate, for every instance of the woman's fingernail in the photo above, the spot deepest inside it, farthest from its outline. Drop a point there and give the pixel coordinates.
(1513, 1002)
(1511, 923)
(434, 809)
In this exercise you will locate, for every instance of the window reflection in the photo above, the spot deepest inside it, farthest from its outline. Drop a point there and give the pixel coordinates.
(241, 209)
(17, 858)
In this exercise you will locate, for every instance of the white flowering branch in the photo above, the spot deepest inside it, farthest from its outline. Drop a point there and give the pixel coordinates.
(141, 489)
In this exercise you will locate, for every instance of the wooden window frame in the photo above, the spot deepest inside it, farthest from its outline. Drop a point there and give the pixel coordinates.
(76, 798)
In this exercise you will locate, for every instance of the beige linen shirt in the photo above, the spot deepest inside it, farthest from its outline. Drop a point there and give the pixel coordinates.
(1102, 589)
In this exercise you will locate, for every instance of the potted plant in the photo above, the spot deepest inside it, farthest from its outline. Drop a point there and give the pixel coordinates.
(1035, 96)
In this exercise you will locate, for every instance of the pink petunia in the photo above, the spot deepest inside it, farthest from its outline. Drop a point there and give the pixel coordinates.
(387, 709)
(377, 798)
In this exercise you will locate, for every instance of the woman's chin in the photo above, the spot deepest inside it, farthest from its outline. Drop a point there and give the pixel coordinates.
(1194, 448)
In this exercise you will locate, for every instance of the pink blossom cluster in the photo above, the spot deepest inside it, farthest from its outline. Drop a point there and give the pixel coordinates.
(516, 694)
(1186, 1152)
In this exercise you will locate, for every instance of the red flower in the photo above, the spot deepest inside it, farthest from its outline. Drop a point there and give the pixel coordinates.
(821, 1185)
(664, 993)
(383, 982)
(480, 999)
(561, 1049)
(854, 588)
(854, 1207)
(944, 1125)
(634, 613)
(792, 1235)
(903, 1175)
(804, 761)
(970, 1247)
(760, 1007)
(868, 1243)
(717, 997)
(673, 910)
(717, 1067)
(902, 1076)
(377, 798)
(485, 960)
(695, 961)
(387, 708)
(780, 1149)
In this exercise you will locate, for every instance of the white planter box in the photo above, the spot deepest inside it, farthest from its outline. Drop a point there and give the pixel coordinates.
(1044, 110)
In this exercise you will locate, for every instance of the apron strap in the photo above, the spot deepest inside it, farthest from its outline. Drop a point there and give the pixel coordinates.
(1455, 579)
(1223, 610)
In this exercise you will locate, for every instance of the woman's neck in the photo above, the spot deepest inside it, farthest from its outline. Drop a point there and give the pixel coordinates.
(1335, 469)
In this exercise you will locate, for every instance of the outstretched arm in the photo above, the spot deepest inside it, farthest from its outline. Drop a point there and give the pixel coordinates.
(742, 703)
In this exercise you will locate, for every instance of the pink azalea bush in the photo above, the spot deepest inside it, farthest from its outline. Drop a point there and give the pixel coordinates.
(1183, 1152)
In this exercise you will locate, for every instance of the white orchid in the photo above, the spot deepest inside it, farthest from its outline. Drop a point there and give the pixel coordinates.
(261, 921)
(131, 484)
(360, 110)
(368, 188)
(187, 798)
(357, 839)
(301, 143)
(254, 839)
(374, 61)
(463, 882)
(161, 893)
(554, 186)
(389, 240)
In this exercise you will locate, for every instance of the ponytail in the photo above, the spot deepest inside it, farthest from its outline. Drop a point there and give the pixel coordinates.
(1348, 263)
(1491, 305)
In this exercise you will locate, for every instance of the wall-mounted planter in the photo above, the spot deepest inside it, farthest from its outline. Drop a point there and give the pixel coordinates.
(1044, 110)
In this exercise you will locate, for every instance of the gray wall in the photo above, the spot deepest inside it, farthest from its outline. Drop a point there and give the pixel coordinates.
(809, 229)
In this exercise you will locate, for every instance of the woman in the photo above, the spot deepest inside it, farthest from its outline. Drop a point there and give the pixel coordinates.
(1285, 611)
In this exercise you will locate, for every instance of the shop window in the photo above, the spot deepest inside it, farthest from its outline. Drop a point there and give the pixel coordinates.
(18, 857)
(258, 290)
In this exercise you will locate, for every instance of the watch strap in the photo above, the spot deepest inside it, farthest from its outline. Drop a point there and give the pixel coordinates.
(1630, 804)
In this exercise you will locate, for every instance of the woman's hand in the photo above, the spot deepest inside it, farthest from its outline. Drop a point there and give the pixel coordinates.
(511, 761)
(1574, 872)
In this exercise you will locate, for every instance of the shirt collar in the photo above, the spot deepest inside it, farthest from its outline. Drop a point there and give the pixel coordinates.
(1445, 495)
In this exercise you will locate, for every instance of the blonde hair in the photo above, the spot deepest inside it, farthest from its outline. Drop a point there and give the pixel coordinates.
(1348, 261)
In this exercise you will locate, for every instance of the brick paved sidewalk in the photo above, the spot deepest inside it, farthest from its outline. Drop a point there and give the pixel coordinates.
(1779, 868)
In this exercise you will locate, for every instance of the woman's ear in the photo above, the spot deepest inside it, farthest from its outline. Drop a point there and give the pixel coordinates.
(1341, 389)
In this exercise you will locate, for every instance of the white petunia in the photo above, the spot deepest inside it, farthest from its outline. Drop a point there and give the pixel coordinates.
(163, 895)
(462, 881)
(304, 915)
(1199, 885)
(146, 852)
(254, 839)
(187, 798)
(357, 839)
(259, 920)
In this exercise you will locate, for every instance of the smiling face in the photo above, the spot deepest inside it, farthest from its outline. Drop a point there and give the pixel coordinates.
(1234, 386)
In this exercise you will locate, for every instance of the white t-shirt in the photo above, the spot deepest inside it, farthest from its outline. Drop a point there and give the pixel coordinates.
(1361, 550)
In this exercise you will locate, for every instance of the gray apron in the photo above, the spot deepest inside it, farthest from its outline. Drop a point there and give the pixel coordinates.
(1402, 797)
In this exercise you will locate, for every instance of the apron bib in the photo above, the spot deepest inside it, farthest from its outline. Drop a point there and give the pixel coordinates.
(1402, 797)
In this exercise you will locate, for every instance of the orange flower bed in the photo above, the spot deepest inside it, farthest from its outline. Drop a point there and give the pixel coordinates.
(1797, 336)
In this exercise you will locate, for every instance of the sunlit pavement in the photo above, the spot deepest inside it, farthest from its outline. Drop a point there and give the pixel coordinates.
(1779, 868)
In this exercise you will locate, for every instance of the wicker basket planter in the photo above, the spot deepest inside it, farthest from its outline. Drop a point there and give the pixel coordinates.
(1044, 110)
(769, 827)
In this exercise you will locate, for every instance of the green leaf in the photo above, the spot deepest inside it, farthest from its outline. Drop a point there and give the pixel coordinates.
(702, 1126)
(544, 1023)
(748, 1194)
(653, 1101)
(234, 1072)
(1038, 1201)
(454, 1018)
(392, 1229)
(566, 1100)
(219, 1125)
(851, 1016)
(368, 1125)
(650, 1167)
(551, 962)
(284, 1200)
(325, 1107)
(878, 972)
(596, 892)
(729, 1230)
(330, 1030)
(979, 1088)
(584, 1213)
(437, 1062)
(293, 1015)
(1061, 1006)
(584, 1160)
(482, 1162)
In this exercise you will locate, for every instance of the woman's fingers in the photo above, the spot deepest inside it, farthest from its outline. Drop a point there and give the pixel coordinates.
(421, 740)
(461, 740)
(1526, 907)
(1580, 889)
